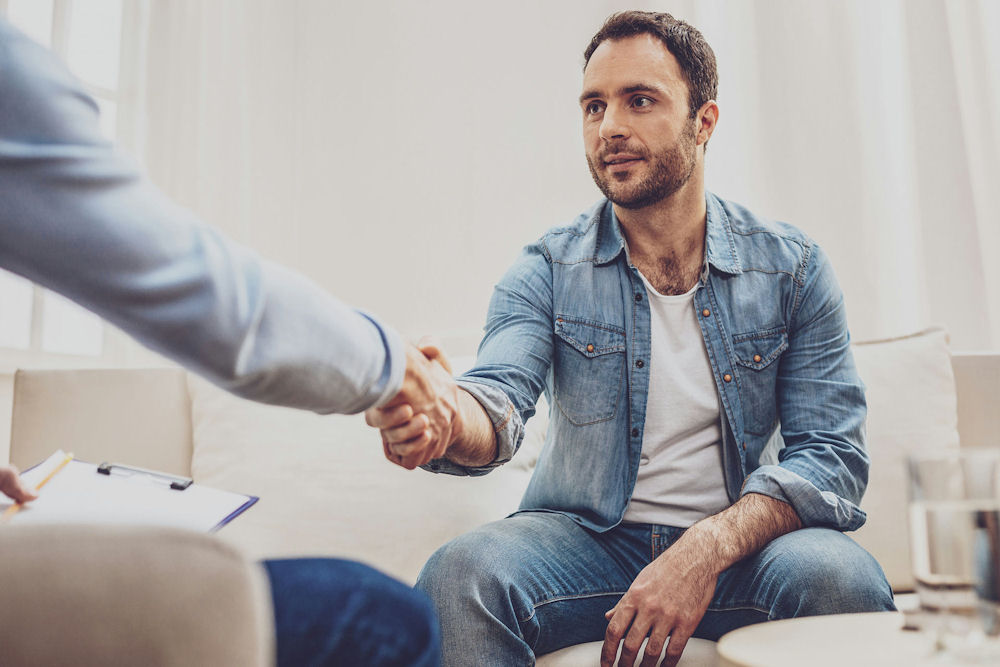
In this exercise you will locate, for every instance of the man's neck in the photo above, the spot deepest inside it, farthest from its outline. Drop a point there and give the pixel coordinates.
(666, 240)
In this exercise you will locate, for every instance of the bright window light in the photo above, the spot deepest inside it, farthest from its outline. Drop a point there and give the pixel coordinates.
(68, 329)
(33, 17)
(15, 311)
(95, 40)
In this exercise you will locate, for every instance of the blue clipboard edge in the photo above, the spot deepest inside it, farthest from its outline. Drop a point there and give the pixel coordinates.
(251, 500)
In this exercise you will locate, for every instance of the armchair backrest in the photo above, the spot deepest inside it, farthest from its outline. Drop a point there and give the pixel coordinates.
(141, 418)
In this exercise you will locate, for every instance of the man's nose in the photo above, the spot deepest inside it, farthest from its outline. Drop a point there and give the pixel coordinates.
(614, 125)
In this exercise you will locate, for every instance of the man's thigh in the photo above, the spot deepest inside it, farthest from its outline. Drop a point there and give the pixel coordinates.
(539, 574)
(807, 572)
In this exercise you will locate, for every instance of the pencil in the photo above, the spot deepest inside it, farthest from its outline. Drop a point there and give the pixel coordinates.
(15, 508)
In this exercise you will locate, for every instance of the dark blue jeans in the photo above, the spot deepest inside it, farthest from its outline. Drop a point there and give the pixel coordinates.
(338, 612)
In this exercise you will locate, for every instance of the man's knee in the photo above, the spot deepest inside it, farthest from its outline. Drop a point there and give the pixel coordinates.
(820, 571)
(461, 567)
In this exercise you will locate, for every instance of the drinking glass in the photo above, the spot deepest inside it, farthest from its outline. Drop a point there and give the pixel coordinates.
(955, 547)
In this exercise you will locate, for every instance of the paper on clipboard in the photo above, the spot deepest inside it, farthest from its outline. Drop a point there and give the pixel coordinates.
(79, 494)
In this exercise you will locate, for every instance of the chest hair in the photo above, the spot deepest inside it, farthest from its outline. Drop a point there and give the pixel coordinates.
(669, 275)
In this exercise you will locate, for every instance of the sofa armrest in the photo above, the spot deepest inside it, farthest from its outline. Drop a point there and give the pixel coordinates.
(107, 595)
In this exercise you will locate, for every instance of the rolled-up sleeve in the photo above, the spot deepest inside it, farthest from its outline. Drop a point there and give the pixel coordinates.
(513, 358)
(822, 469)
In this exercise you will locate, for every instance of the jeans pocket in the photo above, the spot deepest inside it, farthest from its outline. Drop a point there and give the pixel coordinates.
(758, 353)
(588, 367)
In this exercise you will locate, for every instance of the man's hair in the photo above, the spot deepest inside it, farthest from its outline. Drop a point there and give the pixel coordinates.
(695, 56)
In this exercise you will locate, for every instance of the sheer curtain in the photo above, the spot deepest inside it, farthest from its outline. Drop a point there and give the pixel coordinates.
(402, 153)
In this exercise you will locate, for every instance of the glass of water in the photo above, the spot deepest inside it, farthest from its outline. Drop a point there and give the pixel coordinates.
(955, 547)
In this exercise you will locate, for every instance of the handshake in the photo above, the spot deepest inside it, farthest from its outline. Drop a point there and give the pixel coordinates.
(423, 420)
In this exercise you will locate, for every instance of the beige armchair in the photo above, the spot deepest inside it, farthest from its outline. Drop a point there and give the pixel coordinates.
(107, 595)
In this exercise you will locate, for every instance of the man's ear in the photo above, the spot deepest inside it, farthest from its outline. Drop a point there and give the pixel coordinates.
(706, 120)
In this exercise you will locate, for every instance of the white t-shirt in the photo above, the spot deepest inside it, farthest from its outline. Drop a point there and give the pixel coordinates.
(681, 479)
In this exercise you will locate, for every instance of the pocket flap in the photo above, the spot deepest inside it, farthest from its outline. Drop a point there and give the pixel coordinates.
(590, 338)
(758, 349)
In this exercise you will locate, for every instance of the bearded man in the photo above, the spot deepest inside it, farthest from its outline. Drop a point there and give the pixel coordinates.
(671, 331)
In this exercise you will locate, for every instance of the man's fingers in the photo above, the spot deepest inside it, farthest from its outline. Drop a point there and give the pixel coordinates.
(431, 348)
(412, 447)
(411, 430)
(654, 647)
(617, 627)
(389, 417)
(633, 641)
(675, 647)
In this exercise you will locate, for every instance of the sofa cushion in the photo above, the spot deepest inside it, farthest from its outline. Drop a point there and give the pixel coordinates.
(912, 408)
(326, 489)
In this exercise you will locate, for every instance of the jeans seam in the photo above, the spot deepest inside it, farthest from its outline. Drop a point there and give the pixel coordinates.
(746, 607)
(562, 598)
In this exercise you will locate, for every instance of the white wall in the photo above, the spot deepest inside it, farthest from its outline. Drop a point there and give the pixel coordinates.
(401, 153)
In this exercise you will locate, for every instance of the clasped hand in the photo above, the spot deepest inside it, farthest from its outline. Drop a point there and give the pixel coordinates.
(423, 419)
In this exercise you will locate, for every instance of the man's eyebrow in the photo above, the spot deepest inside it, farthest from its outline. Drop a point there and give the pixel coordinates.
(624, 90)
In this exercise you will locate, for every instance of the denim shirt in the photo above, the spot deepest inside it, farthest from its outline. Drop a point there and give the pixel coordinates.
(571, 318)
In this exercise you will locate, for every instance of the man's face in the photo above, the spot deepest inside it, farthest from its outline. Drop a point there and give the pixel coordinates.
(637, 130)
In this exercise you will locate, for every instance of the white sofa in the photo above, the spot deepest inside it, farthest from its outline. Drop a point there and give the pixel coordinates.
(326, 490)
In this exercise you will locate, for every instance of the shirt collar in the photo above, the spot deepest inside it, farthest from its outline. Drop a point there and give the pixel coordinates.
(720, 245)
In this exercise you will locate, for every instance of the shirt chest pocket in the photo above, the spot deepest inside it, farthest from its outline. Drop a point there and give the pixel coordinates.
(588, 369)
(758, 354)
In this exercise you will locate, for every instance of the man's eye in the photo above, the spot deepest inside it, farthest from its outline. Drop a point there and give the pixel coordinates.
(642, 101)
(594, 108)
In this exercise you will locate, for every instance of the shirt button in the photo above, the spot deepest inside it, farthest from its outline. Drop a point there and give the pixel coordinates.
(639, 363)
(744, 446)
(756, 358)
(706, 312)
(590, 347)
(727, 377)
(638, 298)
(635, 433)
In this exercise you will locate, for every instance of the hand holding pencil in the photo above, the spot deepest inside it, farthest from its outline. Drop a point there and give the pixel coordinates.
(12, 486)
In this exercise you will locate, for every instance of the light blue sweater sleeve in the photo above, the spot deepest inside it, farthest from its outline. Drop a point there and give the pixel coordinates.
(79, 218)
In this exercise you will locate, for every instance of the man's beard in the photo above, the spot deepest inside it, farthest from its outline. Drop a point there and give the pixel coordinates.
(668, 172)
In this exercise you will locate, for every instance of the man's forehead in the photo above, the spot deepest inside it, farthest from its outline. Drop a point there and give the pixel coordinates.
(618, 63)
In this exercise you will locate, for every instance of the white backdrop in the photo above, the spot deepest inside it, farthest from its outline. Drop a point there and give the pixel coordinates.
(401, 153)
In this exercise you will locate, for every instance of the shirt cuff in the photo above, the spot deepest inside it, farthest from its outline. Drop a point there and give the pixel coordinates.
(390, 380)
(507, 426)
(815, 508)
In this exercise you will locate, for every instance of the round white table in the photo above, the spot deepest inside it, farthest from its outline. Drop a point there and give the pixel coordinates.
(858, 640)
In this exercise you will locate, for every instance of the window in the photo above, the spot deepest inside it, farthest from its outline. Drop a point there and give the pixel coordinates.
(38, 327)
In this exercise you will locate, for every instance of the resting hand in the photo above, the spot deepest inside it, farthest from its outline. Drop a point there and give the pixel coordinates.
(12, 486)
(423, 419)
(667, 599)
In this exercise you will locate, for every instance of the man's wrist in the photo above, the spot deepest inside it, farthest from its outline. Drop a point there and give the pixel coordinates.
(706, 541)
(476, 445)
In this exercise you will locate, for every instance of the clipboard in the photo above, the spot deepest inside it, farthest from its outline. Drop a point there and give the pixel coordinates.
(112, 493)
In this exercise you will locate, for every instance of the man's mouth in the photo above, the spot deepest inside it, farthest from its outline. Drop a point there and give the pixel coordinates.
(621, 160)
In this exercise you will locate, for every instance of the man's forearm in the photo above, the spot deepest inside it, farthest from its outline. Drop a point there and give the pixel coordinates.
(477, 444)
(741, 530)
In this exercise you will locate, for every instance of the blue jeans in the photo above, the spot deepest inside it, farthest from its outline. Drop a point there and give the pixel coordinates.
(337, 612)
(537, 582)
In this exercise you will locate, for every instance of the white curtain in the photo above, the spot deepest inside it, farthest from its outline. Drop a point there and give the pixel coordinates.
(401, 153)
